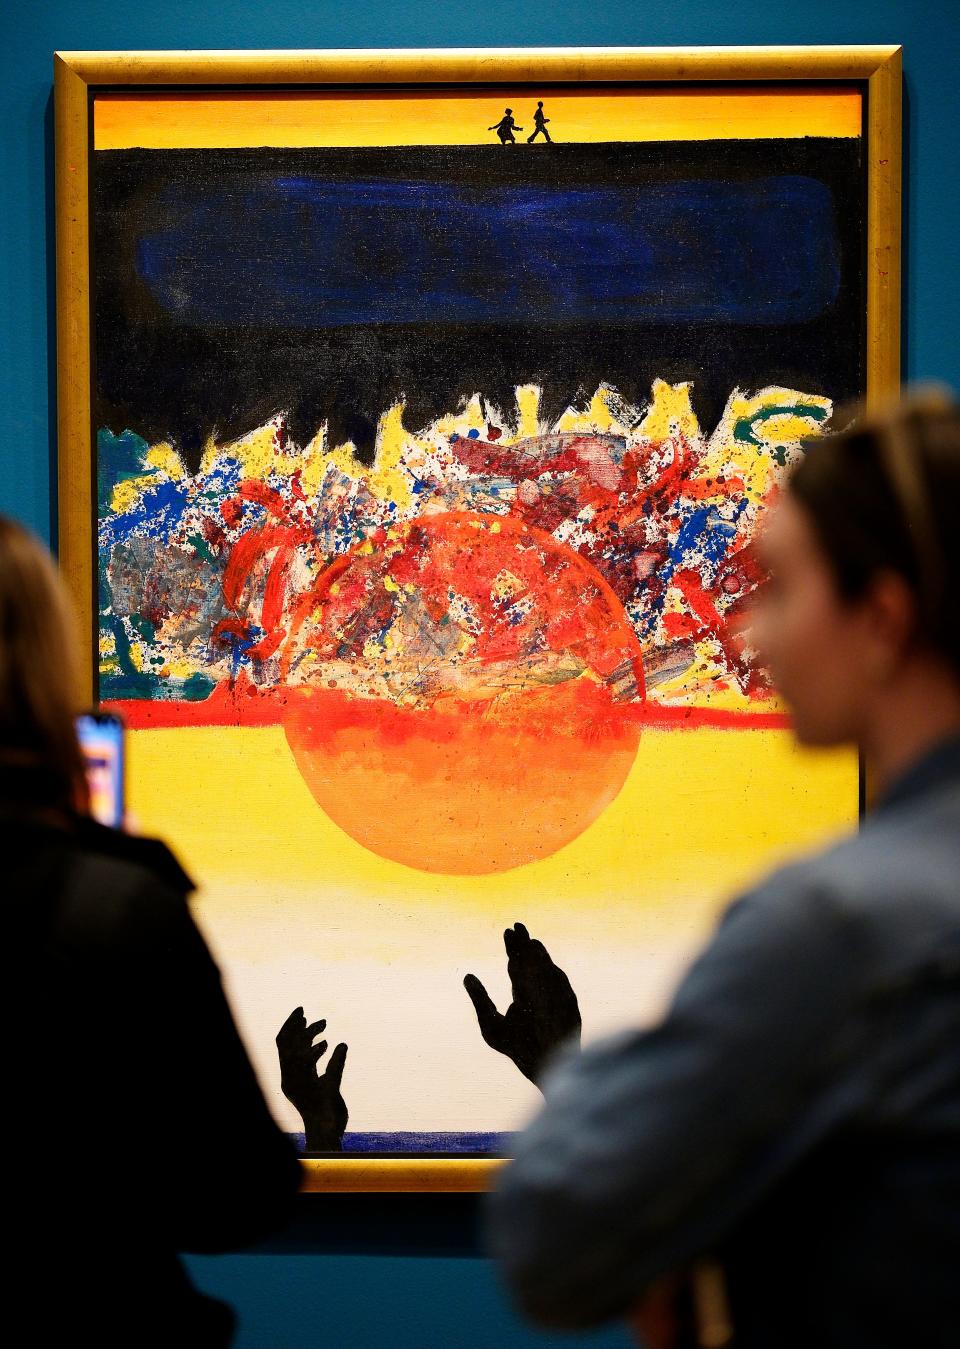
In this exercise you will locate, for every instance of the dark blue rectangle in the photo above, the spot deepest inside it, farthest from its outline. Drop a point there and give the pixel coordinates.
(308, 252)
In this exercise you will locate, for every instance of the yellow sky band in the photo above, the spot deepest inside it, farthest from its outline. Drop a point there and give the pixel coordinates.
(705, 810)
(462, 117)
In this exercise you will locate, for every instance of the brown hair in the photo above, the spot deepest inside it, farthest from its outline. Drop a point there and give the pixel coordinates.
(883, 495)
(40, 756)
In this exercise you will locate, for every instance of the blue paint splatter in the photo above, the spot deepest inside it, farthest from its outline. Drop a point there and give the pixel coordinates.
(156, 515)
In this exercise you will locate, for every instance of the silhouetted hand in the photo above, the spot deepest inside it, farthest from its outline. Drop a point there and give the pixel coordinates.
(544, 1012)
(316, 1095)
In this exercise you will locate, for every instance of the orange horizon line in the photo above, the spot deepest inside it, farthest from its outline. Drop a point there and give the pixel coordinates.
(259, 709)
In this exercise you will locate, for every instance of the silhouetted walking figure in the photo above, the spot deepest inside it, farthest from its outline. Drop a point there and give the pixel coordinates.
(541, 125)
(506, 127)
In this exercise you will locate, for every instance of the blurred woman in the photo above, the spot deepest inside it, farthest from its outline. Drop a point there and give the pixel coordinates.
(139, 1128)
(797, 1112)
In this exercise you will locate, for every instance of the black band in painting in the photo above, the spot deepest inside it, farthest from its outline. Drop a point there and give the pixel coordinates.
(232, 285)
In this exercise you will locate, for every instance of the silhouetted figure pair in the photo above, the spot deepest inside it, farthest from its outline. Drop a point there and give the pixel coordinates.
(507, 126)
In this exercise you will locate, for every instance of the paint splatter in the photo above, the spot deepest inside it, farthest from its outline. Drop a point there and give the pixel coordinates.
(205, 578)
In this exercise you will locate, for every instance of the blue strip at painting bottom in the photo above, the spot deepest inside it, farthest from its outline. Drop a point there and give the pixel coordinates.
(414, 1144)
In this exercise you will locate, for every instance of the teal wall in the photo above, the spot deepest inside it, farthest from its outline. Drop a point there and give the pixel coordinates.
(407, 1273)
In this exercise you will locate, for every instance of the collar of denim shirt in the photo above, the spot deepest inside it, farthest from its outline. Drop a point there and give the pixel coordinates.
(935, 770)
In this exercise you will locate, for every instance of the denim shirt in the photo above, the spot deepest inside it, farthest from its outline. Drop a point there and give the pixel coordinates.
(796, 1114)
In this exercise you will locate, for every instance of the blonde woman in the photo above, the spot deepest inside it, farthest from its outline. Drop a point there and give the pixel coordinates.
(139, 1128)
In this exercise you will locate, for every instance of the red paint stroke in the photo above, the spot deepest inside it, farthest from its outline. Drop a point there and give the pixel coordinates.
(248, 550)
(724, 718)
(227, 627)
(688, 581)
(241, 704)
(252, 489)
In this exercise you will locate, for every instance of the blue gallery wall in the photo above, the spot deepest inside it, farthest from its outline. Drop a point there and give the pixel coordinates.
(390, 1271)
(30, 32)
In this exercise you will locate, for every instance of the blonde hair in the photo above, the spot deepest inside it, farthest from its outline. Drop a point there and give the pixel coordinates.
(38, 667)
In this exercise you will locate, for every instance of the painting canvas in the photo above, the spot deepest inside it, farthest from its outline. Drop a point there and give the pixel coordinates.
(432, 431)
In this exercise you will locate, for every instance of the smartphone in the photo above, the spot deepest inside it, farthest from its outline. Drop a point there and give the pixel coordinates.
(101, 739)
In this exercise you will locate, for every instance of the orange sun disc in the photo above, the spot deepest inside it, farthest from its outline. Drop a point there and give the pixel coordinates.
(463, 694)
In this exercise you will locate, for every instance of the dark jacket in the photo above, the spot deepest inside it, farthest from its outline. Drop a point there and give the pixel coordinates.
(797, 1112)
(139, 1128)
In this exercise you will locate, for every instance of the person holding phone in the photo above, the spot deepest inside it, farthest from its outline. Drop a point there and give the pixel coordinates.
(138, 1126)
(794, 1119)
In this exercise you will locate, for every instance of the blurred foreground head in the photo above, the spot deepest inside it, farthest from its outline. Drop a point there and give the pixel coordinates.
(863, 552)
(41, 765)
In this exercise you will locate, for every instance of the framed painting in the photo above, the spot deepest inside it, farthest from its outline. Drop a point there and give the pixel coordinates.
(418, 412)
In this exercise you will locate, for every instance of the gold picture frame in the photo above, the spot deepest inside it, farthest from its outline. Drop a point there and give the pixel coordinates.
(876, 70)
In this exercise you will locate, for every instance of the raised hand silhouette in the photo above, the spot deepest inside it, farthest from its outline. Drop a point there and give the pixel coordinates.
(316, 1095)
(544, 1012)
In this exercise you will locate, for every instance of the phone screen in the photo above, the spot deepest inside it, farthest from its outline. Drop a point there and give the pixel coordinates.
(101, 739)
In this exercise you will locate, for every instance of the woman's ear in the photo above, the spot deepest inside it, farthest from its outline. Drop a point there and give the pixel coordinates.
(891, 620)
